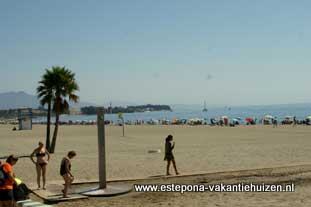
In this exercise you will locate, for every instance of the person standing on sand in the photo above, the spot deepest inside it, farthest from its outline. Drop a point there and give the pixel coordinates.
(274, 122)
(41, 153)
(169, 157)
(65, 172)
(7, 182)
(294, 121)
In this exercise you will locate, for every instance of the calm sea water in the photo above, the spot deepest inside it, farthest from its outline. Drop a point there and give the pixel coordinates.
(186, 112)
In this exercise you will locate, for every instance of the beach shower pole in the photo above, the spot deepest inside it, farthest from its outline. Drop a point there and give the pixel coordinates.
(104, 189)
(101, 148)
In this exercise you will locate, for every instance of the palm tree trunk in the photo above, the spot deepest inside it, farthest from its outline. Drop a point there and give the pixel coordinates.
(48, 128)
(55, 133)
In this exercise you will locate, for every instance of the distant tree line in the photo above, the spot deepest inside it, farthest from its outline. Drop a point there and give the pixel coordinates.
(8, 114)
(12, 113)
(90, 110)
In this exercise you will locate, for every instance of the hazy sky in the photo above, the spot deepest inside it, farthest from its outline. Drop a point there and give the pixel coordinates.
(162, 51)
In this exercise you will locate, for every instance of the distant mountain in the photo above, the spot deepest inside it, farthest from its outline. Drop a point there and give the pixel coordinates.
(13, 100)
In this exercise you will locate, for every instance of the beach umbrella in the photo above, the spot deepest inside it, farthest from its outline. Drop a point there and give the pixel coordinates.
(308, 117)
(236, 120)
(269, 117)
(249, 119)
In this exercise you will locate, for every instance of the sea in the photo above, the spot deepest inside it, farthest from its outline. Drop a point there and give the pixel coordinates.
(301, 111)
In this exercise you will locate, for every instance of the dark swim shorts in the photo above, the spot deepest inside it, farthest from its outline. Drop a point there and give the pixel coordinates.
(6, 195)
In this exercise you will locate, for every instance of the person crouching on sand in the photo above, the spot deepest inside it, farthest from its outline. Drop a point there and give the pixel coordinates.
(169, 157)
(65, 172)
(43, 158)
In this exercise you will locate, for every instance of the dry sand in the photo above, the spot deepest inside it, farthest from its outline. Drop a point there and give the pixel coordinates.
(299, 198)
(198, 149)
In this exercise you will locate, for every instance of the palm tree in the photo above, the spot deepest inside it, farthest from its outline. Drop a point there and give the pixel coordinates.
(64, 87)
(45, 95)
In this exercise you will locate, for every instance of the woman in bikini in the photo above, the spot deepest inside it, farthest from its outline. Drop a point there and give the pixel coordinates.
(43, 158)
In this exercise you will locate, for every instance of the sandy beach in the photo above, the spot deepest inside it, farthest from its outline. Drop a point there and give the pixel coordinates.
(296, 175)
(199, 149)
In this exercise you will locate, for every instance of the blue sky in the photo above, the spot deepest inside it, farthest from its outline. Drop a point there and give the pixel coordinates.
(166, 52)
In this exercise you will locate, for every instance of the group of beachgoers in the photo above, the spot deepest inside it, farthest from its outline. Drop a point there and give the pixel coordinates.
(8, 181)
(215, 121)
(43, 157)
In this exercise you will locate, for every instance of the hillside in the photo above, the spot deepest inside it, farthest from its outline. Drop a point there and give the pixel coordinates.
(13, 100)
